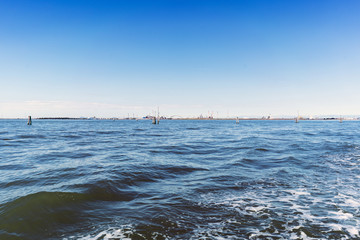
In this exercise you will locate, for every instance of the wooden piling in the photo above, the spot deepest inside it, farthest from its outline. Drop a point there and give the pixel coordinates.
(29, 121)
(158, 116)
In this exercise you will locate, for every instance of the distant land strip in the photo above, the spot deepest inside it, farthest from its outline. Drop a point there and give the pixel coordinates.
(61, 118)
(189, 118)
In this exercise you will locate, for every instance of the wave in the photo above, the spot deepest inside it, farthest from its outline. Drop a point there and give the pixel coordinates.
(6, 139)
(29, 136)
(181, 169)
(37, 214)
(262, 149)
(15, 167)
(72, 136)
(109, 132)
(193, 128)
(40, 212)
(139, 129)
(148, 174)
(63, 155)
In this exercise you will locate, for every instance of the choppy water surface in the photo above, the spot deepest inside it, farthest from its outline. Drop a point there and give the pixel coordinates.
(179, 180)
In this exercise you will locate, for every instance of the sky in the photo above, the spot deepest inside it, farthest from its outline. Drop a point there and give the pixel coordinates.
(246, 58)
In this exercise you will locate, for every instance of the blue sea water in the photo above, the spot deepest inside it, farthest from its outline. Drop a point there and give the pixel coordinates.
(101, 179)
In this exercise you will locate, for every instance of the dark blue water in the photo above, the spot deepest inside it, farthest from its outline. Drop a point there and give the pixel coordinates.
(179, 180)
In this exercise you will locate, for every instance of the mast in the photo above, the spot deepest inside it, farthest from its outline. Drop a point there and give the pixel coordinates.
(158, 117)
(297, 118)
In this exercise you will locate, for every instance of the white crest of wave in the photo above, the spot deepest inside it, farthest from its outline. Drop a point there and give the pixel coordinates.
(111, 234)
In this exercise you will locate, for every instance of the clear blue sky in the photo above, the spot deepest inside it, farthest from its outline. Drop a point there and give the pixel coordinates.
(237, 58)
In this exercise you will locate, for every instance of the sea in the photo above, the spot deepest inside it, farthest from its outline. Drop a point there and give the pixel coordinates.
(180, 179)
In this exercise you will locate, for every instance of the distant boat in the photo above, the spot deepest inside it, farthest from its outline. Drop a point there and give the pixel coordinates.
(297, 119)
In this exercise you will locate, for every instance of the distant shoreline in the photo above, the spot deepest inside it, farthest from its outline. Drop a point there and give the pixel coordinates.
(201, 119)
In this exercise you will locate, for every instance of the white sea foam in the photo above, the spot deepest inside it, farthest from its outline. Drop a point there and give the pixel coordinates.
(255, 209)
(211, 231)
(352, 202)
(122, 233)
(298, 192)
(354, 232)
(303, 205)
(340, 215)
